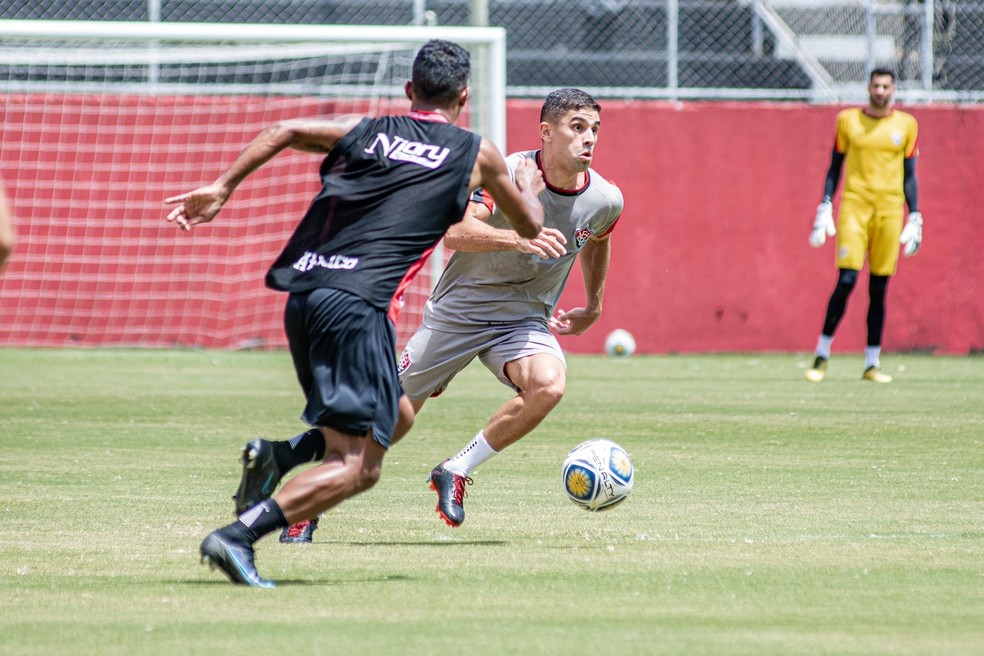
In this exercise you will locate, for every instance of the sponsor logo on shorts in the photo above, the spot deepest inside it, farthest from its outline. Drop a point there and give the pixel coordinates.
(581, 236)
(403, 150)
(404, 362)
(311, 260)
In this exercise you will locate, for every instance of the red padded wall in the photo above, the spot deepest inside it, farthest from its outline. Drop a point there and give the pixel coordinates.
(711, 252)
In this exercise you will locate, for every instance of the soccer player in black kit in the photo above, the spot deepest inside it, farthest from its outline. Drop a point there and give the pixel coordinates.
(392, 187)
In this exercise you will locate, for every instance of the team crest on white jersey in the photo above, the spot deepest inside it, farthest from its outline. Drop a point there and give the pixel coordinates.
(581, 236)
(404, 150)
(404, 362)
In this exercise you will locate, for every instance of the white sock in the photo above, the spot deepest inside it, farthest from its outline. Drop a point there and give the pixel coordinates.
(477, 452)
(872, 356)
(823, 346)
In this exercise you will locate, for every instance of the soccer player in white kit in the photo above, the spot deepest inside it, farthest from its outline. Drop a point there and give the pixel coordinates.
(497, 298)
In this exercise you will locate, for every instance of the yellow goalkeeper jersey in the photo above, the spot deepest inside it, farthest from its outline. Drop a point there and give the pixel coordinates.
(874, 149)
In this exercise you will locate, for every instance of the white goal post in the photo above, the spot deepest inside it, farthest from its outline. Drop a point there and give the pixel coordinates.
(102, 120)
(488, 46)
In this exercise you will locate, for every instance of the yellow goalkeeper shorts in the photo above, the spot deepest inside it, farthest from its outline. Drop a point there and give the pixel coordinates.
(866, 230)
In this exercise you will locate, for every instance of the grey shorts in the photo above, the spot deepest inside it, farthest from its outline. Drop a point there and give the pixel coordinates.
(433, 357)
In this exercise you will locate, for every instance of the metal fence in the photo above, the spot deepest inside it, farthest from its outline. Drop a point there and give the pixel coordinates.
(817, 50)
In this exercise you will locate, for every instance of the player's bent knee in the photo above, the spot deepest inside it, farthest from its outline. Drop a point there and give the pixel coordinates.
(367, 478)
(355, 481)
(847, 278)
(549, 394)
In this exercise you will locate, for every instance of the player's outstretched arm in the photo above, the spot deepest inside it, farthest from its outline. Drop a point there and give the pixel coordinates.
(202, 204)
(520, 201)
(595, 257)
(474, 235)
(823, 222)
(911, 237)
(833, 174)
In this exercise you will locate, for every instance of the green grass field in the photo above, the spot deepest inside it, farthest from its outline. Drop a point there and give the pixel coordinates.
(769, 516)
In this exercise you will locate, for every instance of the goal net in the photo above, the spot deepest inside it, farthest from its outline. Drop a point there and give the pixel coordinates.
(102, 121)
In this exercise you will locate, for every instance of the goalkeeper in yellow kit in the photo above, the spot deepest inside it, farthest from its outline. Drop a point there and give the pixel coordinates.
(876, 146)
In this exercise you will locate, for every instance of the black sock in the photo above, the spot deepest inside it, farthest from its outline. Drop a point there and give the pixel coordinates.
(306, 447)
(262, 519)
(846, 279)
(877, 287)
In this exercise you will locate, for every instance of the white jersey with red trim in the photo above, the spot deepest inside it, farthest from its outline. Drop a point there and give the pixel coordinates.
(507, 286)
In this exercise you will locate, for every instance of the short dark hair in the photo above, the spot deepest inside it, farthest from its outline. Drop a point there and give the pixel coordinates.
(440, 71)
(561, 101)
(882, 71)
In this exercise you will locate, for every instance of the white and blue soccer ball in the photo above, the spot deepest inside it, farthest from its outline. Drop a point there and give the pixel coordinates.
(620, 343)
(598, 475)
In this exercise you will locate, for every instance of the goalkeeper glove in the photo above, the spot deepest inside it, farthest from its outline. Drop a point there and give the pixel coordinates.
(823, 225)
(911, 237)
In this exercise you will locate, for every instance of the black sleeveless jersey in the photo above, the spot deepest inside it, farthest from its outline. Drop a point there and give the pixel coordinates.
(392, 187)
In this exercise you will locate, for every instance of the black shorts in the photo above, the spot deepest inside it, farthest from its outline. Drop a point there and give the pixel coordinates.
(344, 352)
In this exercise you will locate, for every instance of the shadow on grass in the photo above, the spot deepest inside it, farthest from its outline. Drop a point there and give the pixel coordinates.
(282, 583)
(420, 543)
